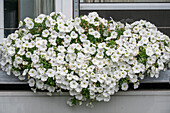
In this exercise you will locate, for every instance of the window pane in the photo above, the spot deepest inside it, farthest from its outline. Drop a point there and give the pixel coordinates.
(16, 10)
(8, 31)
(26, 9)
(43, 6)
(102, 1)
(10, 15)
(32, 8)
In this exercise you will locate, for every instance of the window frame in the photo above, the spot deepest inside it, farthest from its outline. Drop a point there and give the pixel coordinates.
(4, 78)
(59, 6)
(72, 10)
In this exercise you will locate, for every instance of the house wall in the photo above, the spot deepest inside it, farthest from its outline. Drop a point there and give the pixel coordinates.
(122, 102)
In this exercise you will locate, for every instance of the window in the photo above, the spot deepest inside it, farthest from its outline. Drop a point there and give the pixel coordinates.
(11, 12)
(124, 10)
(16, 10)
(10, 16)
(155, 11)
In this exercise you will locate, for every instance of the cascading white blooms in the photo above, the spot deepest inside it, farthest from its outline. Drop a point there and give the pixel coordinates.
(89, 56)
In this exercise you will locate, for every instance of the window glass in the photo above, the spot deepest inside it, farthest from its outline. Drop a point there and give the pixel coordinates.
(43, 6)
(10, 16)
(158, 17)
(16, 10)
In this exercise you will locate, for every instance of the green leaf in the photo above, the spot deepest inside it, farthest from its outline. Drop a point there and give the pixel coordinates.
(74, 101)
(50, 81)
(85, 92)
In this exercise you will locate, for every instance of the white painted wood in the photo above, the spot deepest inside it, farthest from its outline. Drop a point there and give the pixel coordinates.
(125, 6)
(1, 20)
(64, 6)
(58, 5)
(123, 102)
(68, 8)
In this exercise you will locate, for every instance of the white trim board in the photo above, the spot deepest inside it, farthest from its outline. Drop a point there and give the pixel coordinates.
(124, 6)
(65, 7)
(1, 20)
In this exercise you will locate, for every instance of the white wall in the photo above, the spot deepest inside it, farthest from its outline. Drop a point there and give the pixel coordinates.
(1, 19)
(156, 101)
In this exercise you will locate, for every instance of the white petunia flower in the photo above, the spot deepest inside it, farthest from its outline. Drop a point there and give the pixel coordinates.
(102, 45)
(35, 58)
(115, 58)
(136, 69)
(67, 38)
(71, 48)
(11, 51)
(20, 24)
(74, 35)
(127, 33)
(39, 84)
(48, 22)
(31, 82)
(83, 37)
(124, 86)
(133, 78)
(73, 84)
(32, 72)
(44, 77)
(40, 18)
(61, 49)
(99, 55)
(149, 51)
(25, 72)
(60, 60)
(84, 84)
(96, 34)
(28, 54)
(45, 33)
(50, 73)
(13, 36)
(51, 88)
(77, 21)
(30, 24)
(113, 35)
(136, 85)
(18, 60)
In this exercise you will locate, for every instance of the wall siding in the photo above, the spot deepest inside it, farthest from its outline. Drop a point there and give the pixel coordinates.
(122, 102)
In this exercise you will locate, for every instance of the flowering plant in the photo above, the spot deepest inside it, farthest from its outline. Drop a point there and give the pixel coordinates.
(89, 56)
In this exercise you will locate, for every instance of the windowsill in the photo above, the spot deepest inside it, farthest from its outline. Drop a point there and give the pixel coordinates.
(120, 93)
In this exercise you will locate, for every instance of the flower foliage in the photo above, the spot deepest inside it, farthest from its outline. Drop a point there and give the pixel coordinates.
(89, 56)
